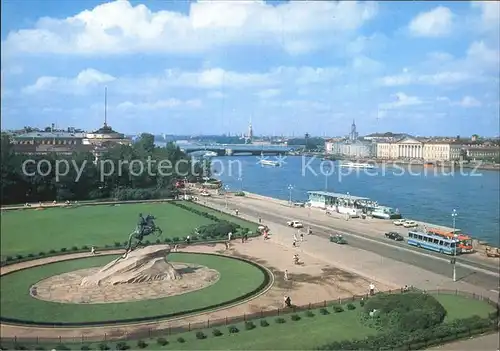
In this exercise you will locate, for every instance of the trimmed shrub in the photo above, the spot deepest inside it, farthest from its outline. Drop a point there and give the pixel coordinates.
(309, 314)
(63, 249)
(295, 317)
(162, 341)
(404, 312)
(41, 254)
(249, 325)
(52, 251)
(264, 323)
(31, 255)
(117, 244)
(175, 239)
(8, 258)
(200, 335)
(85, 247)
(74, 248)
(85, 347)
(158, 241)
(19, 347)
(233, 329)
(19, 257)
(103, 346)
(181, 340)
(167, 240)
(280, 320)
(338, 309)
(216, 332)
(324, 311)
(142, 344)
(122, 346)
(350, 306)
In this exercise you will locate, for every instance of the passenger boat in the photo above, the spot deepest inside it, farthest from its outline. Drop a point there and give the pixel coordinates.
(354, 206)
(357, 165)
(270, 163)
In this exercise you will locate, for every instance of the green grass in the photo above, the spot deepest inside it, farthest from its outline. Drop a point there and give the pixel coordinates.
(460, 307)
(32, 231)
(305, 334)
(236, 279)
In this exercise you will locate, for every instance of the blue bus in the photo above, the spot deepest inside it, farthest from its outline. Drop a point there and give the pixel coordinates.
(433, 242)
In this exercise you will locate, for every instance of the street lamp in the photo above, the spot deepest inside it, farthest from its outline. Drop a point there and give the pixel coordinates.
(290, 188)
(185, 188)
(454, 214)
(326, 179)
(226, 189)
(241, 183)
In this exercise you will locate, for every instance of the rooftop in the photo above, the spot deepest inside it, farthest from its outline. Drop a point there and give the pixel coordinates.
(337, 195)
(49, 135)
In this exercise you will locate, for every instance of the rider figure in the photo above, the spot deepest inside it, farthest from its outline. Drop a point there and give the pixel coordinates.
(141, 224)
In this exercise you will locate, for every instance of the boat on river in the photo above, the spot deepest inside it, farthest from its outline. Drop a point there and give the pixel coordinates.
(357, 165)
(270, 163)
(353, 206)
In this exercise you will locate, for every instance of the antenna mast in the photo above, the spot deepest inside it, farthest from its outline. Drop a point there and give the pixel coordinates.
(106, 106)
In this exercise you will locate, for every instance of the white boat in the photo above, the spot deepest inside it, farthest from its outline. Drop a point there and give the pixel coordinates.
(209, 154)
(384, 212)
(357, 165)
(269, 163)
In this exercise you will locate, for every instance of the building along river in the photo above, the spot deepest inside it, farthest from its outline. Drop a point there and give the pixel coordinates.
(424, 194)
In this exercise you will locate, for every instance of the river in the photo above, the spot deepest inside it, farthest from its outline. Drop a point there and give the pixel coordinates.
(425, 194)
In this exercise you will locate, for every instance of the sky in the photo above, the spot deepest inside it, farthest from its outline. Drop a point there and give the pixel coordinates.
(205, 67)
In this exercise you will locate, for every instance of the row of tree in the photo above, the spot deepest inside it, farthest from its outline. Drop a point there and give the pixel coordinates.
(138, 171)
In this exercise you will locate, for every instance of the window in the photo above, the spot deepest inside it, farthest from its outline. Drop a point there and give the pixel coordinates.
(447, 244)
(420, 237)
(436, 241)
(441, 242)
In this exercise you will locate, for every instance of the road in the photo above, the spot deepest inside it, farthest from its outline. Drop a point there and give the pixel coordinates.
(471, 271)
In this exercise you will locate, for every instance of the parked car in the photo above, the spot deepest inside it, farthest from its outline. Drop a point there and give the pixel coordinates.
(295, 224)
(410, 224)
(399, 222)
(205, 193)
(394, 236)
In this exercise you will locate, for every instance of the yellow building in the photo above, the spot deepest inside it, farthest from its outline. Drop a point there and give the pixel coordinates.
(410, 148)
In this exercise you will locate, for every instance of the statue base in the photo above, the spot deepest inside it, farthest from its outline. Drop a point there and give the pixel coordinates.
(139, 266)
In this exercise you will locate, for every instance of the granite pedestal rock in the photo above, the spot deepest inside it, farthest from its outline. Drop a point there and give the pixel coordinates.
(141, 265)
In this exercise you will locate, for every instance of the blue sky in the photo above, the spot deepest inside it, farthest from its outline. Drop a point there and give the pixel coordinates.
(425, 68)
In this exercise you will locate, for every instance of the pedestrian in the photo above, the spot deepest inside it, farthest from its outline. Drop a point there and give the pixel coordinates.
(237, 212)
(92, 250)
(286, 274)
(229, 235)
(176, 248)
(372, 289)
(301, 237)
(188, 240)
(245, 237)
(294, 237)
(260, 220)
(227, 244)
(294, 243)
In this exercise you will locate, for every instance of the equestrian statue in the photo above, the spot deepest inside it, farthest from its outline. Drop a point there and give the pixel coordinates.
(145, 227)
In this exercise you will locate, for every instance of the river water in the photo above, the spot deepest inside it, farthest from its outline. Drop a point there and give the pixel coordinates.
(425, 194)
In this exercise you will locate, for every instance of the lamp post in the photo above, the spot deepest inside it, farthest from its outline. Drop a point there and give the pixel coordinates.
(226, 189)
(454, 214)
(241, 183)
(290, 188)
(326, 180)
(185, 188)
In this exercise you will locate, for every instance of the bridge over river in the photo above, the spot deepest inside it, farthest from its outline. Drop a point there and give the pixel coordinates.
(237, 149)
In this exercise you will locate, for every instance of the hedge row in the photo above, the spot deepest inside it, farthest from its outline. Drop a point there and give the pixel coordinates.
(420, 338)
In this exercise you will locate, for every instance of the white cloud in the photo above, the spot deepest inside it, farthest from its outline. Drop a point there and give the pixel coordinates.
(489, 20)
(214, 78)
(435, 23)
(468, 102)
(120, 28)
(158, 105)
(268, 93)
(363, 64)
(401, 100)
(216, 95)
(480, 54)
(88, 78)
(443, 78)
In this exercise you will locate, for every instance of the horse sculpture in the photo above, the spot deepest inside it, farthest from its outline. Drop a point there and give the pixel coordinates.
(147, 228)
